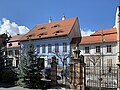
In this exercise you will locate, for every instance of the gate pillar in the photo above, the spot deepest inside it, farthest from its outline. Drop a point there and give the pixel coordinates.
(77, 71)
(53, 71)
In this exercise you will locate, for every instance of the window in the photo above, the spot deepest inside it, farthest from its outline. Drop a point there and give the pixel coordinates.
(42, 28)
(97, 49)
(9, 62)
(59, 31)
(18, 43)
(16, 52)
(10, 44)
(38, 49)
(55, 26)
(49, 48)
(43, 48)
(56, 47)
(109, 49)
(65, 47)
(109, 62)
(10, 52)
(86, 49)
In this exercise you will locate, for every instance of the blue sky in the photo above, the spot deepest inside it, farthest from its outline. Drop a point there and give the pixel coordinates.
(92, 14)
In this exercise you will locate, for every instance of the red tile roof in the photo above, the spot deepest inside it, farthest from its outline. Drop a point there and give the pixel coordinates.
(109, 35)
(105, 32)
(53, 29)
(16, 38)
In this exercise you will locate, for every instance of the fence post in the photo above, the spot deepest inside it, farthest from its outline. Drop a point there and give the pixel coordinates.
(77, 71)
(53, 71)
(118, 76)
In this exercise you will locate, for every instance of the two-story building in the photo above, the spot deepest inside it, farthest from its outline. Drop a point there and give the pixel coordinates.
(13, 51)
(52, 38)
(101, 51)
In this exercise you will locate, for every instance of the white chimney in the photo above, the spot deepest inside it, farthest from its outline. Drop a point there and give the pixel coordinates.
(63, 17)
(50, 20)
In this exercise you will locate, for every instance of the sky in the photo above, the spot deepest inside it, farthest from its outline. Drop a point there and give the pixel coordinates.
(20, 16)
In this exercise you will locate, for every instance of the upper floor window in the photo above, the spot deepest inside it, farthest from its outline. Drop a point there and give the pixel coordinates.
(49, 48)
(109, 49)
(56, 47)
(16, 52)
(87, 50)
(43, 48)
(97, 49)
(38, 49)
(64, 47)
(10, 44)
(9, 62)
(109, 62)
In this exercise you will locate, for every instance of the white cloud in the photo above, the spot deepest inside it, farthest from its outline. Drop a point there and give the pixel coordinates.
(86, 32)
(11, 27)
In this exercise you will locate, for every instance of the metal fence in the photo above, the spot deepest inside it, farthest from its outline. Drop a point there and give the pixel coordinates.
(105, 78)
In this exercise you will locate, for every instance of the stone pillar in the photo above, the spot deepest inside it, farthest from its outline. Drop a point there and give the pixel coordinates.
(53, 71)
(77, 71)
(118, 76)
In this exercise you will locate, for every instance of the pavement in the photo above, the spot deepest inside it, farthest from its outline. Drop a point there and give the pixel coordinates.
(61, 86)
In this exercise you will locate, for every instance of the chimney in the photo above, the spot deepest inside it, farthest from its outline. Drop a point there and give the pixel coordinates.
(50, 20)
(63, 17)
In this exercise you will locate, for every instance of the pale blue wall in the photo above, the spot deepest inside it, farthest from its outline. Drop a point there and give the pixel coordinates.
(51, 41)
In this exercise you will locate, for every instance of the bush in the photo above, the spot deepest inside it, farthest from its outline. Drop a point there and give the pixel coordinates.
(8, 77)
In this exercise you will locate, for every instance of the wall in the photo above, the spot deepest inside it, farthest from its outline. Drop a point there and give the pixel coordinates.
(106, 55)
(75, 32)
(52, 41)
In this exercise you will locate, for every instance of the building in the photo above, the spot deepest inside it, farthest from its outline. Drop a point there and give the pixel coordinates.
(52, 38)
(101, 55)
(13, 51)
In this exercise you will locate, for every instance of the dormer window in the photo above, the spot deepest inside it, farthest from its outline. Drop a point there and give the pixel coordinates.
(29, 36)
(41, 34)
(42, 28)
(59, 31)
(55, 26)
(18, 43)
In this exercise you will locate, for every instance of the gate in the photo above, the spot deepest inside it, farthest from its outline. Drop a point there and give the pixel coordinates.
(105, 78)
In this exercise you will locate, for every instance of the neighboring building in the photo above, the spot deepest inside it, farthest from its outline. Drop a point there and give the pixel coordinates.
(102, 44)
(101, 52)
(13, 51)
(52, 37)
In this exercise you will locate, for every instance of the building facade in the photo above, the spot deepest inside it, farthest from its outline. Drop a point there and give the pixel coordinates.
(101, 55)
(13, 51)
(52, 38)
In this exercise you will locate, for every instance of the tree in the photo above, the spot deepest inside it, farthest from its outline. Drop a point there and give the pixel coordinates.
(1, 61)
(1, 58)
(63, 58)
(29, 69)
